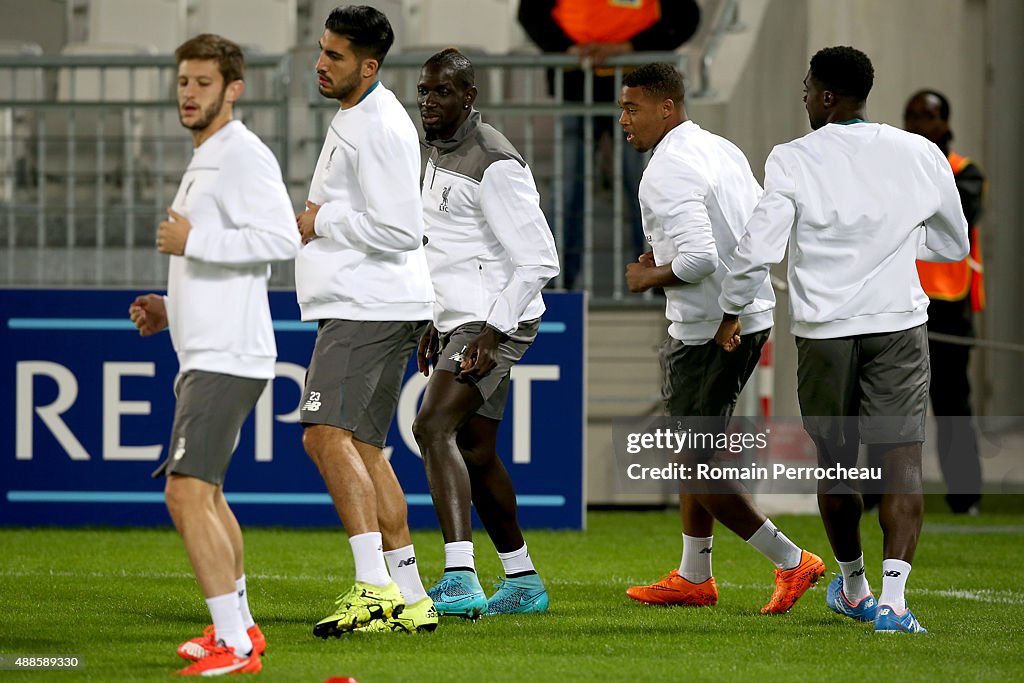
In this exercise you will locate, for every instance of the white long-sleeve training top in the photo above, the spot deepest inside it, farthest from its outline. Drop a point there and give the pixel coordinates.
(696, 196)
(858, 204)
(233, 195)
(489, 247)
(368, 263)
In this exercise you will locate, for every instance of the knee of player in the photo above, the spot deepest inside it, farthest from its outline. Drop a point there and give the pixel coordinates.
(430, 429)
(477, 457)
(184, 494)
(316, 443)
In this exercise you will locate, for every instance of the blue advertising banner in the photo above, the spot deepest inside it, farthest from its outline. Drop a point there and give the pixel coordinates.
(88, 406)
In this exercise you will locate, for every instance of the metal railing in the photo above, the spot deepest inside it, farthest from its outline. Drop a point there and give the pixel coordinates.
(89, 171)
(89, 167)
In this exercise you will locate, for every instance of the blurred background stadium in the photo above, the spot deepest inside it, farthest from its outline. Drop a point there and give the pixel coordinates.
(91, 151)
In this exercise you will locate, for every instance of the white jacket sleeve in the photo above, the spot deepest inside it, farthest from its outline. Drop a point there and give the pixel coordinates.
(389, 177)
(677, 196)
(511, 205)
(260, 225)
(945, 233)
(764, 242)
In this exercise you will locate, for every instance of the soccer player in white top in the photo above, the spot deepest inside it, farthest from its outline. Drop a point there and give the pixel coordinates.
(229, 220)
(857, 203)
(363, 276)
(696, 194)
(490, 253)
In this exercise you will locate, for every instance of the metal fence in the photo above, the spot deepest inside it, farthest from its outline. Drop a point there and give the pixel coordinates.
(91, 153)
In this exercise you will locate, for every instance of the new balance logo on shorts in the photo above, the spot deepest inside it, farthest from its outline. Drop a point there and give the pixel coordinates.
(458, 355)
(179, 451)
(407, 563)
(312, 403)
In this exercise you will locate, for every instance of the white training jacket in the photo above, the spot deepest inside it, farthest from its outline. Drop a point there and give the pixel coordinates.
(857, 203)
(233, 195)
(696, 196)
(489, 247)
(368, 263)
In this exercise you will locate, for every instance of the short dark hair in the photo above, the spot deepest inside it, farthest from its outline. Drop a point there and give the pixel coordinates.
(227, 54)
(844, 70)
(366, 28)
(943, 102)
(452, 59)
(657, 79)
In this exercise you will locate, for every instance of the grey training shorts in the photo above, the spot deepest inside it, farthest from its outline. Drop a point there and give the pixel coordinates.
(704, 380)
(879, 380)
(210, 410)
(493, 386)
(355, 376)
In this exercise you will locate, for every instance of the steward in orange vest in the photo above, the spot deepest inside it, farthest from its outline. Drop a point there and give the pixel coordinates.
(956, 291)
(955, 281)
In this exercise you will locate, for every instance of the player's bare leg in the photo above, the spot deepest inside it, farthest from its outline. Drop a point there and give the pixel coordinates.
(374, 596)
(494, 496)
(392, 516)
(447, 405)
(193, 506)
(351, 488)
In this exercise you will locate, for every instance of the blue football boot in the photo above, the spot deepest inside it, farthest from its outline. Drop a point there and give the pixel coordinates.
(459, 594)
(838, 603)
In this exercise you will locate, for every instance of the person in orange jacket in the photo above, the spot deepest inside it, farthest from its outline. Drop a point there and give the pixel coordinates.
(957, 292)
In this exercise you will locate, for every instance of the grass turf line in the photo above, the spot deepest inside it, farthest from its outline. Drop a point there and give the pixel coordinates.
(124, 599)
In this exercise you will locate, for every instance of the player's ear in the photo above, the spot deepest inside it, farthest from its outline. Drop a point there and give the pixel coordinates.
(667, 107)
(470, 97)
(369, 68)
(234, 91)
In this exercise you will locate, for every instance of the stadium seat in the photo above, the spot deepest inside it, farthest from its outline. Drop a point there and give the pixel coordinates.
(264, 25)
(160, 23)
(482, 24)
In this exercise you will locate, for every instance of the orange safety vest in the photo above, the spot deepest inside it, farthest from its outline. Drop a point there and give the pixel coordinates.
(605, 21)
(954, 281)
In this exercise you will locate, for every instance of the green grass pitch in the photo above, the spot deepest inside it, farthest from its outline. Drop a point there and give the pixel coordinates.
(124, 599)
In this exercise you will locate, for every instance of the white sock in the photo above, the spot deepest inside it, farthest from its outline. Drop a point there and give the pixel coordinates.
(517, 562)
(368, 554)
(894, 582)
(243, 603)
(227, 622)
(855, 582)
(695, 565)
(402, 565)
(774, 545)
(459, 554)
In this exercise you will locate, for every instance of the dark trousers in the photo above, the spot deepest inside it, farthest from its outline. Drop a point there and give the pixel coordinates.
(950, 392)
